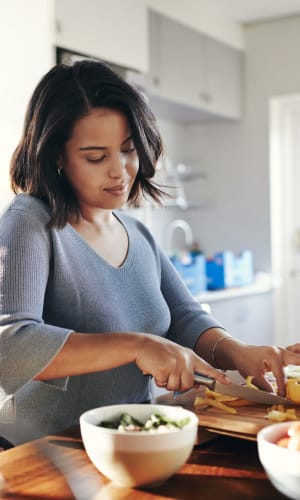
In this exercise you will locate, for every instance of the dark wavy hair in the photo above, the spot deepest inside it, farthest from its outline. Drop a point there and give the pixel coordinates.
(65, 94)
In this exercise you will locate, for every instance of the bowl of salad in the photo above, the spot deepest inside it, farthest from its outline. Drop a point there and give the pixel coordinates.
(279, 452)
(138, 444)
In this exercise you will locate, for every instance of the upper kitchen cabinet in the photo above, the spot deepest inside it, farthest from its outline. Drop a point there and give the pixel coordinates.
(222, 87)
(113, 30)
(192, 76)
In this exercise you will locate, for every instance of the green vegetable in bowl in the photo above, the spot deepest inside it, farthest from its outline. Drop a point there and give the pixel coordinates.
(155, 423)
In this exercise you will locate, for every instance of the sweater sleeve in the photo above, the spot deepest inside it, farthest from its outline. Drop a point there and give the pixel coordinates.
(188, 319)
(27, 344)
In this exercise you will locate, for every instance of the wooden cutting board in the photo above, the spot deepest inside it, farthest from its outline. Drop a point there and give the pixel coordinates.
(246, 422)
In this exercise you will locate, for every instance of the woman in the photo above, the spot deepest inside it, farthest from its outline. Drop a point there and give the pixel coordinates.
(90, 307)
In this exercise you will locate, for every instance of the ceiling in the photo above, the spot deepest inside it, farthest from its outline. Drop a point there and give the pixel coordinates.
(248, 11)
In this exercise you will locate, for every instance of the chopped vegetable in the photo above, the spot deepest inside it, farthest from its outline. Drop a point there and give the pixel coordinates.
(220, 401)
(155, 423)
(278, 413)
(223, 398)
(293, 389)
(213, 402)
(215, 399)
(249, 382)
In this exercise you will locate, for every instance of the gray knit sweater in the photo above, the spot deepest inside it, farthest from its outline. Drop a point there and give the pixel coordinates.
(53, 283)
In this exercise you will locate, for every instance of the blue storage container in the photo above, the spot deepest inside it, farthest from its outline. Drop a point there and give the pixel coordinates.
(226, 270)
(192, 269)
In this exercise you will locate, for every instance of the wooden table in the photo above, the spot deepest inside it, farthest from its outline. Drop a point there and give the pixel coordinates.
(222, 468)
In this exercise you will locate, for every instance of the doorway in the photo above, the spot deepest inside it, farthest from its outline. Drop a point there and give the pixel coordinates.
(285, 216)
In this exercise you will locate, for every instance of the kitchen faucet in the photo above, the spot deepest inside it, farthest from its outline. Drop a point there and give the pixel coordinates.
(172, 227)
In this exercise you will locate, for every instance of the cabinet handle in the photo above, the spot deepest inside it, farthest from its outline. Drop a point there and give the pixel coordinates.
(205, 97)
(156, 81)
(58, 26)
(295, 273)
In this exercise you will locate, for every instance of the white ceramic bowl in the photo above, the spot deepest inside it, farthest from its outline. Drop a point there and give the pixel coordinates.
(281, 464)
(137, 458)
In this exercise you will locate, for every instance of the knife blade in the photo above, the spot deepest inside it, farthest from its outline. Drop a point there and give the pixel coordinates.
(242, 391)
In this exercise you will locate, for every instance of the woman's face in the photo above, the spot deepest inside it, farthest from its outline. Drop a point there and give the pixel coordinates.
(100, 160)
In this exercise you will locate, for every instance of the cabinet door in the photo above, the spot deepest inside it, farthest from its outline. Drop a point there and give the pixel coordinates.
(193, 70)
(249, 319)
(113, 30)
(222, 79)
(176, 54)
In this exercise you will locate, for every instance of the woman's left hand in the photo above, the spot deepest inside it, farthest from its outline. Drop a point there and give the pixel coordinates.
(257, 360)
(294, 348)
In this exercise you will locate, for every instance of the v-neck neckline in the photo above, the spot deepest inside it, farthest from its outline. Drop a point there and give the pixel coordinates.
(84, 243)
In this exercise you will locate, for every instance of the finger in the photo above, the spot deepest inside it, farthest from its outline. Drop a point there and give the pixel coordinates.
(174, 382)
(161, 378)
(291, 355)
(161, 384)
(273, 363)
(294, 348)
(279, 375)
(186, 381)
(261, 382)
(205, 368)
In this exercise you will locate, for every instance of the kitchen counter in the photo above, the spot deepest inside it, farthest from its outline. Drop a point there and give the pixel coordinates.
(57, 467)
(263, 284)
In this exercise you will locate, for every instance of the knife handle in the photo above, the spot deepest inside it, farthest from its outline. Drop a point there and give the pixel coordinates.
(203, 380)
(200, 380)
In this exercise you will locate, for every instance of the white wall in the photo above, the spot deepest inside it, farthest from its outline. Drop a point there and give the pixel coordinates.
(236, 155)
(26, 47)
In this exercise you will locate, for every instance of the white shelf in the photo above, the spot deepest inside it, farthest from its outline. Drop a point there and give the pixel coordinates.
(186, 205)
(262, 284)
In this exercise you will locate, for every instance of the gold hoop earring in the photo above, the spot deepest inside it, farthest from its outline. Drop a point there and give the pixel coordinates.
(59, 166)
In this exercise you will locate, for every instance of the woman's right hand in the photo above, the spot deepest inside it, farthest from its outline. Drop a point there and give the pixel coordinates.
(171, 365)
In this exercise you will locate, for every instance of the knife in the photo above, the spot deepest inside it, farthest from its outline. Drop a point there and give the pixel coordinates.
(241, 391)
